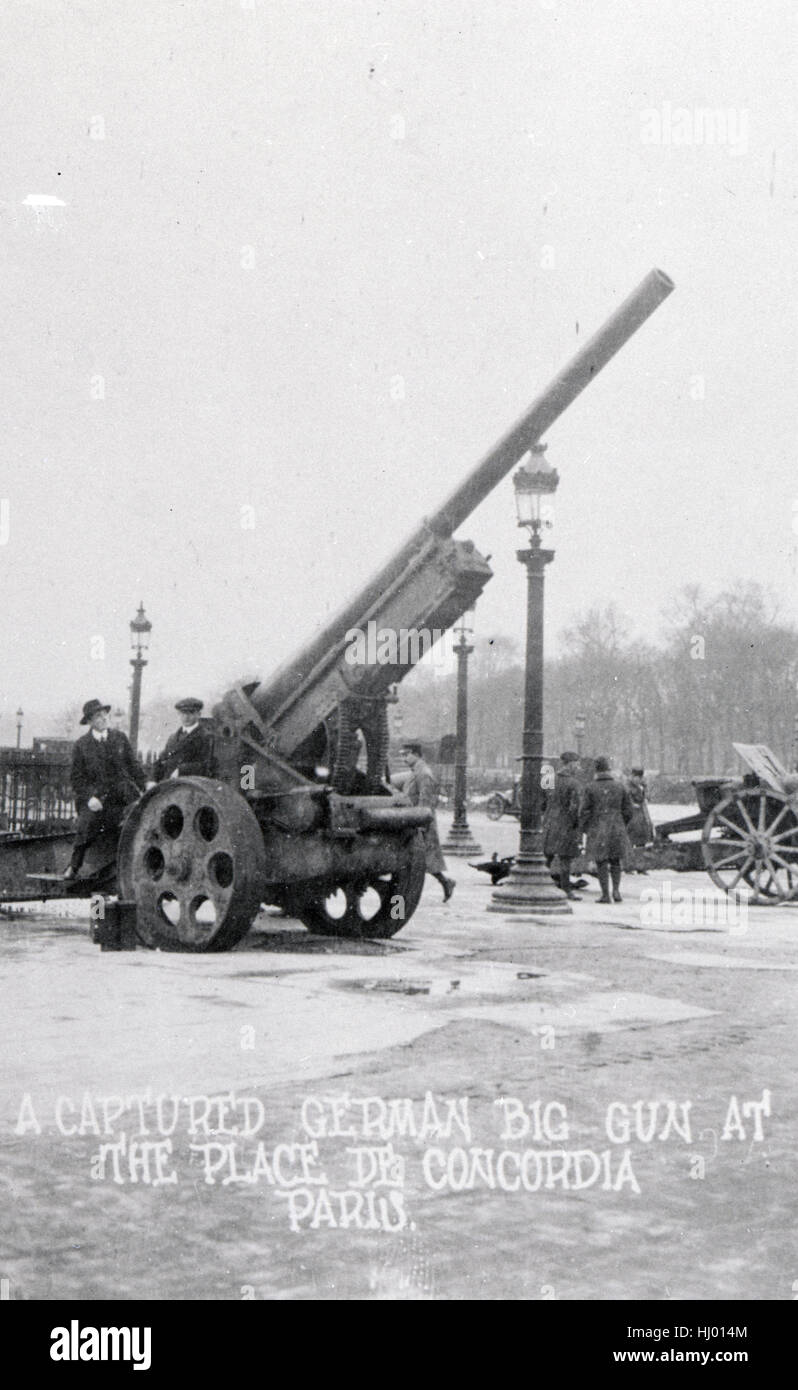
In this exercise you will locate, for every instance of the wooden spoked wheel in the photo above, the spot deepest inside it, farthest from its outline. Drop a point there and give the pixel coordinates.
(373, 907)
(750, 841)
(191, 856)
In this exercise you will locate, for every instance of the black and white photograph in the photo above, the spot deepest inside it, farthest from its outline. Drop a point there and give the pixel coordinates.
(399, 686)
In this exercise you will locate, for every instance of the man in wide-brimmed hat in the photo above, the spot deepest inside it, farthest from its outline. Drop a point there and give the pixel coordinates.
(105, 779)
(189, 752)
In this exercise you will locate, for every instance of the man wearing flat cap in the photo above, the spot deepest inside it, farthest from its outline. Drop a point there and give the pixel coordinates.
(106, 778)
(189, 751)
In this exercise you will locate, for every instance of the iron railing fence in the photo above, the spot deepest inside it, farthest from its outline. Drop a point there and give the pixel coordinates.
(35, 788)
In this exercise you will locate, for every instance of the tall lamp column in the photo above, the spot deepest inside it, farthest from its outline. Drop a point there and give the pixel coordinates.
(579, 733)
(530, 891)
(460, 840)
(140, 629)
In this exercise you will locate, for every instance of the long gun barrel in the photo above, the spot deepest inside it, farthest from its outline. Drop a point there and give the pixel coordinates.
(550, 404)
(295, 689)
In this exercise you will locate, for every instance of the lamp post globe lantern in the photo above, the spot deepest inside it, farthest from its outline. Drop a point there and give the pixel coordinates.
(460, 841)
(530, 891)
(140, 629)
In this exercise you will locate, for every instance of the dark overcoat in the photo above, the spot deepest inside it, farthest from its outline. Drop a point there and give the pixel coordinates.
(641, 830)
(605, 814)
(188, 754)
(422, 790)
(561, 818)
(106, 769)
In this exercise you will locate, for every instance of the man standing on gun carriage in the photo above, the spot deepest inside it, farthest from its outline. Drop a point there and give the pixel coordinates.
(189, 751)
(106, 778)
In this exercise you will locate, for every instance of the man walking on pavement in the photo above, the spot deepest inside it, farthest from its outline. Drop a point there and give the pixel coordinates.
(606, 811)
(106, 778)
(189, 751)
(422, 790)
(561, 822)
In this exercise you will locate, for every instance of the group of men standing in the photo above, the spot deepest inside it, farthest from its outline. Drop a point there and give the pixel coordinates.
(107, 776)
(610, 813)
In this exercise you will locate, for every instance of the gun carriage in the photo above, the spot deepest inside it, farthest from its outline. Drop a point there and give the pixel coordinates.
(301, 815)
(749, 829)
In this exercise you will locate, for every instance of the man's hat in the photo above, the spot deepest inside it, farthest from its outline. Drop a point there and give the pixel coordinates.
(569, 757)
(91, 708)
(189, 705)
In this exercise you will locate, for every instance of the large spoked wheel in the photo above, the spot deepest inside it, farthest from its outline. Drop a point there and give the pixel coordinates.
(191, 856)
(495, 806)
(370, 908)
(751, 838)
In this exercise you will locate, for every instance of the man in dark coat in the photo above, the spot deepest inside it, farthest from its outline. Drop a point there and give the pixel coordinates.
(422, 790)
(606, 811)
(105, 779)
(561, 821)
(641, 830)
(189, 752)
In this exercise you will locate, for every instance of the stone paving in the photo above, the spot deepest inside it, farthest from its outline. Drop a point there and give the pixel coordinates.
(584, 1107)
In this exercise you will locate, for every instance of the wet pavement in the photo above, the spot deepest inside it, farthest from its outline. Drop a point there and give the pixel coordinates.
(599, 1106)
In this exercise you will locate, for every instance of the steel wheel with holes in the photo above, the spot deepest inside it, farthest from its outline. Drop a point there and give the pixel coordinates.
(371, 908)
(751, 838)
(191, 856)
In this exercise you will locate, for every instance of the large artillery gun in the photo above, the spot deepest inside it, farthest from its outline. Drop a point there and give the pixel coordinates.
(301, 815)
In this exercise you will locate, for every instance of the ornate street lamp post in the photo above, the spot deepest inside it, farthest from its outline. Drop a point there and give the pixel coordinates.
(530, 890)
(460, 840)
(20, 717)
(579, 732)
(140, 629)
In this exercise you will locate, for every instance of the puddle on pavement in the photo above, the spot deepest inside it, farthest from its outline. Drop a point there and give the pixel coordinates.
(305, 943)
(400, 986)
(214, 999)
(261, 974)
(438, 987)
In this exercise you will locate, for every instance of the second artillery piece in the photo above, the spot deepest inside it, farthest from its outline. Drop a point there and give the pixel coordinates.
(749, 830)
(301, 816)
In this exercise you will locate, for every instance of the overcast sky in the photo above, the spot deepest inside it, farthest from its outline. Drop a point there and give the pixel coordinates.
(321, 256)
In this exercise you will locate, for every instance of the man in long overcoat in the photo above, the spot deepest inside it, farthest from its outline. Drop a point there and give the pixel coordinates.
(189, 752)
(561, 833)
(606, 812)
(106, 778)
(641, 830)
(422, 790)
